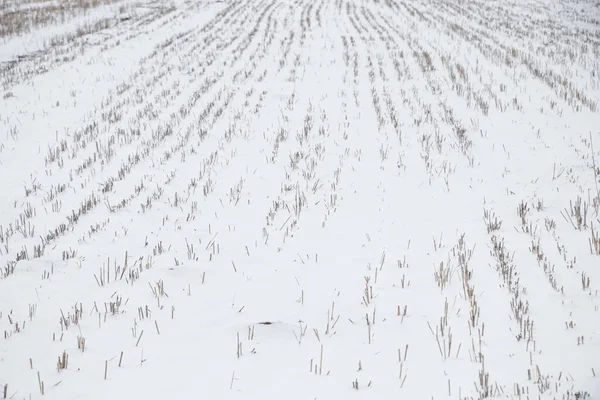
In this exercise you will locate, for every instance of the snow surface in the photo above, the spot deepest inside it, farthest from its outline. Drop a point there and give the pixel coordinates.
(273, 199)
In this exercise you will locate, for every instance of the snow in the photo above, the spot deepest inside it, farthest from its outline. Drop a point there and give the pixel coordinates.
(302, 200)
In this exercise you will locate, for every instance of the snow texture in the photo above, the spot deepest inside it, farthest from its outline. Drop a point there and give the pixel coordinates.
(309, 199)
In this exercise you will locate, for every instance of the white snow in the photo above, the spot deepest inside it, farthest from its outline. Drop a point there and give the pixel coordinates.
(273, 199)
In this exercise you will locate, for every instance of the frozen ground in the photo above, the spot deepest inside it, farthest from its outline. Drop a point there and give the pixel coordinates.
(270, 199)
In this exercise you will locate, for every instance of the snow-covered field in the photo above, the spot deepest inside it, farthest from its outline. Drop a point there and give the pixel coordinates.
(274, 199)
